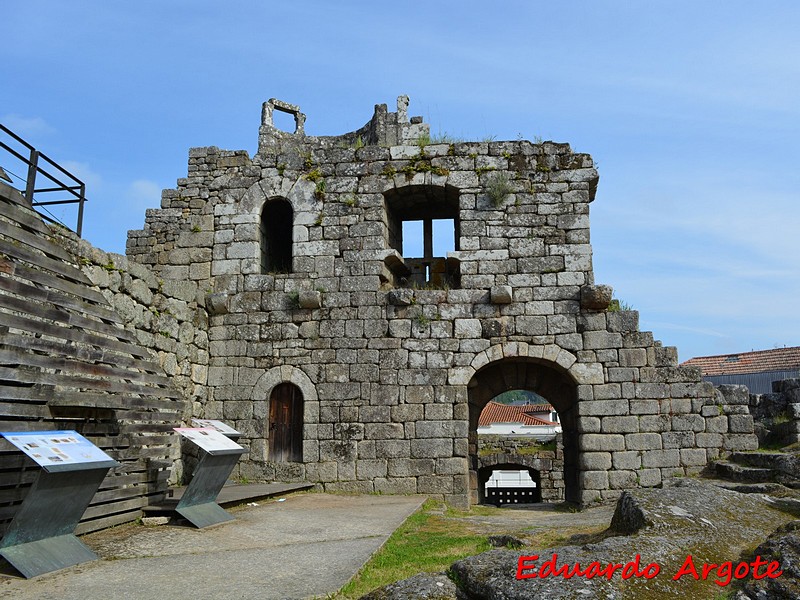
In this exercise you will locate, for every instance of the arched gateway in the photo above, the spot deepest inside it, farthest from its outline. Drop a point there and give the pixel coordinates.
(546, 379)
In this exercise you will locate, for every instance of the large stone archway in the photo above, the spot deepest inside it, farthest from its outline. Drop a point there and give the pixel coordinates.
(549, 380)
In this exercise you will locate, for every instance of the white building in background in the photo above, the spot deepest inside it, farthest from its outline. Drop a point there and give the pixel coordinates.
(507, 478)
(538, 421)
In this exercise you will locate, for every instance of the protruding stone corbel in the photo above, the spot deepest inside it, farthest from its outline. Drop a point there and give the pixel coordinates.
(217, 304)
(309, 299)
(400, 297)
(596, 297)
(501, 294)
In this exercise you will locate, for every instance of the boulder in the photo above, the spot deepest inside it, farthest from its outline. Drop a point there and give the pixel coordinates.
(783, 546)
(425, 586)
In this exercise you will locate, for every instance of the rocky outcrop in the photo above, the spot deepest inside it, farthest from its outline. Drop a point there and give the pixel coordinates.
(421, 587)
(783, 546)
(657, 546)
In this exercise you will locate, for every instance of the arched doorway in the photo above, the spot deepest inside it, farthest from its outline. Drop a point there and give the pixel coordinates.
(545, 378)
(286, 423)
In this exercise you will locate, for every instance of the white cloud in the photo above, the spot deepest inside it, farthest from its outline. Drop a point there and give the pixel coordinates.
(144, 193)
(84, 172)
(26, 127)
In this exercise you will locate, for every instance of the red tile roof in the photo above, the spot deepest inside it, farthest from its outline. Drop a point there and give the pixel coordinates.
(537, 408)
(494, 412)
(780, 359)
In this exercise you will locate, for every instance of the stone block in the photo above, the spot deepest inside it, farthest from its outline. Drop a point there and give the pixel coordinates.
(383, 431)
(655, 423)
(598, 442)
(740, 424)
(622, 480)
(451, 466)
(467, 328)
(661, 458)
(370, 469)
(644, 407)
(594, 480)
(594, 461)
(323, 472)
(709, 440)
(396, 485)
(734, 394)
(642, 441)
(603, 408)
(627, 460)
(688, 423)
(439, 429)
(410, 467)
(528, 326)
(403, 413)
(596, 340)
(649, 477)
(434, 484)
(620, 425)
(375, 414)
(588, 424)
(740, 441)
(693, 457)
(678, 439)
(392, 449)
(431, 448)
(623, 321)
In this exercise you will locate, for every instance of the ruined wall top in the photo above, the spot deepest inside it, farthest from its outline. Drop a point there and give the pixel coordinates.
(383, 129)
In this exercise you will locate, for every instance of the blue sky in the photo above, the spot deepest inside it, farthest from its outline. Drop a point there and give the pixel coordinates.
(689, 108)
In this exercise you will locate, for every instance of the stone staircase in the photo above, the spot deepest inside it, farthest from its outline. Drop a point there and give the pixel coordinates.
(761, 467)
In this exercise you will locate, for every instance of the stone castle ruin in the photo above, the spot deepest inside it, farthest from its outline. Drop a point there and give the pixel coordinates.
(279, 295)
(348, 361)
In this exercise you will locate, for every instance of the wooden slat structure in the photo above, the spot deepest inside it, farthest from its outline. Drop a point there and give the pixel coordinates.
(66, 362)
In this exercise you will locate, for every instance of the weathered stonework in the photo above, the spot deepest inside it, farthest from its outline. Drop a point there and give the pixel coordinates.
(297, 253)
(496, 451)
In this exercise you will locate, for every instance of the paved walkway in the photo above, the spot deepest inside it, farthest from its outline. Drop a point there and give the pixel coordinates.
(308, 545)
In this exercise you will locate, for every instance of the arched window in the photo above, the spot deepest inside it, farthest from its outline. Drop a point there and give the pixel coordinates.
(276, 236)
(286, 423)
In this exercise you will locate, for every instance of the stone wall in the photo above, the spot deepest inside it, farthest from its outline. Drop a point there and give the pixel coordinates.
(495, 450)
(168, 316)
(777, 414)
(393, 373)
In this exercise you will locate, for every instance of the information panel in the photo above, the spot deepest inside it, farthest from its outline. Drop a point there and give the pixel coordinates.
(57, 449)
(217, 425)
(210, 440)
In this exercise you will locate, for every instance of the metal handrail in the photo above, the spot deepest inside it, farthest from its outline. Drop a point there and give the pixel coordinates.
(34, 166)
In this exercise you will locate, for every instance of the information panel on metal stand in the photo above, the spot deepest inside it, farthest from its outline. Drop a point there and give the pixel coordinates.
(219, 455)
(41, 537)
(223, 428)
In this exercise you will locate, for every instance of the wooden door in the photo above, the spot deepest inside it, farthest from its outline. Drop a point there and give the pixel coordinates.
(285, 424)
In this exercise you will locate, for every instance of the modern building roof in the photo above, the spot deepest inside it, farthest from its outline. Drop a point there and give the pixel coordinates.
(779, 359)
(494, 412)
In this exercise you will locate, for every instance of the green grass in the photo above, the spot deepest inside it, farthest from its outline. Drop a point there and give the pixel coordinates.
(429, 541)
(436, 536)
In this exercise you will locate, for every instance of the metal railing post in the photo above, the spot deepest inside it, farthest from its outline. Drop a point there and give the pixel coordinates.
(81, 200)
(31, 181)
